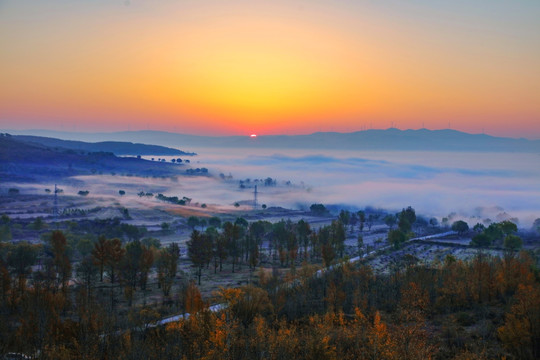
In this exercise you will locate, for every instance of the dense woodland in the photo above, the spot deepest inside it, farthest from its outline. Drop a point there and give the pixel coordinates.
(63, 300)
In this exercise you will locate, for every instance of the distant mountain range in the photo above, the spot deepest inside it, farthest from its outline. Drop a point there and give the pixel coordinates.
(115, 147)
(390, 139)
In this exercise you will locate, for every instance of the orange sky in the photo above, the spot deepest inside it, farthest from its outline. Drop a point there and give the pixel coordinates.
(241, 67)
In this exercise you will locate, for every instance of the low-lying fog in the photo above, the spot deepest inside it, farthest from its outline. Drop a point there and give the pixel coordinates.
(475, 186)
(435, 184)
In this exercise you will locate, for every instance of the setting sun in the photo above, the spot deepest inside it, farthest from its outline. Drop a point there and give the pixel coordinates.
(283, 66)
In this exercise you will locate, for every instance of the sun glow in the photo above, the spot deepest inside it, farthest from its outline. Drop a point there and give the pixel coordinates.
(221, 67)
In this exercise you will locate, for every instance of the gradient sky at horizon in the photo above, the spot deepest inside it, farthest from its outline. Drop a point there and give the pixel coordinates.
(286, 66)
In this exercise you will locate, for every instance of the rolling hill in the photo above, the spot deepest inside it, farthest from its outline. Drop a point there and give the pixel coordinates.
(26, 161)
(115, 147)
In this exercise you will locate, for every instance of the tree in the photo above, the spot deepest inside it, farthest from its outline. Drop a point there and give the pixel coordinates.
(202, 223)
(390, 221)
(257, 229)
(370, 220)
(220, 249)
(328, 254)
(85, 247)
(100, 254)
(192, 299)
(87, 273)
(61, 261)
(338, 236)
(130, 268)
(520, 333)
(481, 240)
(396, 238)
(5, 232)
(361, 220)
(460, 227)
(406, 218)
(199, 251)
(253, 256)
(146, 263)
(245, 303)
(232, 233)
(353, 220)
(167, 265)
(121, 192)
(345, 217)
(494, 232)
(318, 209)
(536, 226)
(303, 230)
(38, 224)
(360, 243)
(478, 228)
(133, 232)
(165, 227)
(214, 221)
(512, 242)
(241, 222)
(508, 227)
(115, 253)
(193, 222)
(21, 258)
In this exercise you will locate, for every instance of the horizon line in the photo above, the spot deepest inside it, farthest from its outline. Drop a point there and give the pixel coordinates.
(258, 135)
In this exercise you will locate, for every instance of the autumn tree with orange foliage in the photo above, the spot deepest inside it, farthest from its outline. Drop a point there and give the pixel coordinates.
(520, 333)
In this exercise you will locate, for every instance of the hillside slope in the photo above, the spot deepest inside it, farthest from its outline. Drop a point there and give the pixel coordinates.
(115, 147)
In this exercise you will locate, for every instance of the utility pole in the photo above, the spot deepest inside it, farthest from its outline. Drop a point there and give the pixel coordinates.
(55, 209)
(255, 197)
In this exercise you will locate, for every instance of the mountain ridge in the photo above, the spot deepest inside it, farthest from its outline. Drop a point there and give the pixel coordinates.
(388, 139)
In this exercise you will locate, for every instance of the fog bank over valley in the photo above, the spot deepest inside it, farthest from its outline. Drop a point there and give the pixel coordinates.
(474, 186)
(434, 183)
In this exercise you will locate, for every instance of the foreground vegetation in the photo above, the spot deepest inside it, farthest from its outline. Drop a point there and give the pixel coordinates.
(100, 289)
(485, 308)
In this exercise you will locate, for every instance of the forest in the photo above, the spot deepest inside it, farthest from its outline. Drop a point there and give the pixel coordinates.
(62, 300)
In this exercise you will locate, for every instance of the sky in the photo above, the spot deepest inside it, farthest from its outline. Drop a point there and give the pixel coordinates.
(224, 67)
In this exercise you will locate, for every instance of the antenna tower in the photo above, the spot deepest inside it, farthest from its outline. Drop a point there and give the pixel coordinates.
(255, 197)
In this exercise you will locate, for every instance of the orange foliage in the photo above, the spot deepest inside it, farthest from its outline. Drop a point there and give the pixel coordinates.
(520, 333)
(414, 302)
(193, 299)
